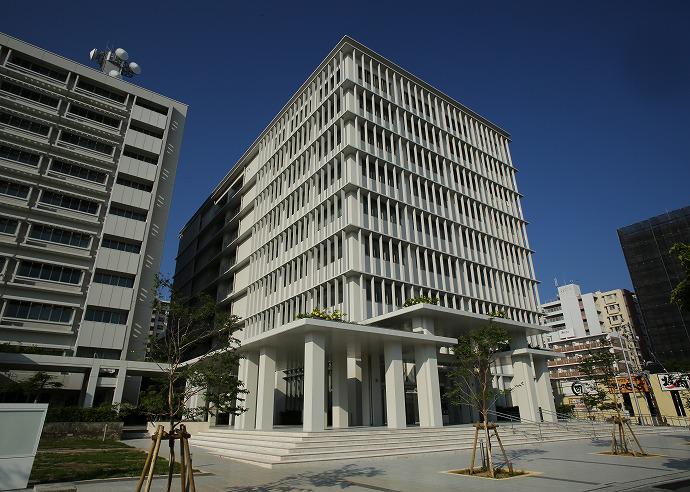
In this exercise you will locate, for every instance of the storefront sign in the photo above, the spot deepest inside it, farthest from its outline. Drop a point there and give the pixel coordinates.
(674, 381)
(579, 388)
(640, 384)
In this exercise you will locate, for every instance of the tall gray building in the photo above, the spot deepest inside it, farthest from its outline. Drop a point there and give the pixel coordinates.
(87, 166)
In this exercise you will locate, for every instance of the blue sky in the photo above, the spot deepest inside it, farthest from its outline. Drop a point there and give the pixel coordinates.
(595, 94)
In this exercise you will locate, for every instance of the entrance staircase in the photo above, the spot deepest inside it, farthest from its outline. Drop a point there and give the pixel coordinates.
(288, 446)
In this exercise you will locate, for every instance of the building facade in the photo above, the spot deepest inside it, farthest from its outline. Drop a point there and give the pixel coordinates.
(370, 188)
(159, 322)
(87, 166)
(589, 322)
(655, 273)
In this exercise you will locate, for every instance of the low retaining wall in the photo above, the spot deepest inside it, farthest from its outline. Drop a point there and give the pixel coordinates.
(112, 430)
(192, 427)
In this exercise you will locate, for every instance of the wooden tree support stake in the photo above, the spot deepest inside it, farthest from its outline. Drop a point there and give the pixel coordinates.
(186, 471)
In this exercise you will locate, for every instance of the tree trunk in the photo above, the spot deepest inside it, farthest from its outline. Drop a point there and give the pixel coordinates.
(489, 458)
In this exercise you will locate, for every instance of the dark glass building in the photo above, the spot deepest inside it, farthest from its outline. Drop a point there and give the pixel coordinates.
(654, 273)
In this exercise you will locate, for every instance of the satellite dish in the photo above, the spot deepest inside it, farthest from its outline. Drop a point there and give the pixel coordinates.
(114, 73)
(122, 54)
(93, 53)
(135, 68)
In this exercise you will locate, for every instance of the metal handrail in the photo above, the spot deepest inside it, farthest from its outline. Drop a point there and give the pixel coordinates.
(644, 419)
(540, 424)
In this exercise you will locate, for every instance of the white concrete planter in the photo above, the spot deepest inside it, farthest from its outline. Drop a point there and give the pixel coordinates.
(20, 427)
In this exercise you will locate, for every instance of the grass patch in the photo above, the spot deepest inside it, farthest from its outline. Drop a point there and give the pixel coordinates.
(69, 460)
(77, 443)
(499, 473)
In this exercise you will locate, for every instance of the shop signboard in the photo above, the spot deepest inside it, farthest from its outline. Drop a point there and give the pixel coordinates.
(674, 381)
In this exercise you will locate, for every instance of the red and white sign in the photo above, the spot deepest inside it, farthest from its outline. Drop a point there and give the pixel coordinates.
(674, 381)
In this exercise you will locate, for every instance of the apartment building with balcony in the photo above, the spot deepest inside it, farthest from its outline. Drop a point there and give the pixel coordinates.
(581, 323)
(87, 166)
(369, 188)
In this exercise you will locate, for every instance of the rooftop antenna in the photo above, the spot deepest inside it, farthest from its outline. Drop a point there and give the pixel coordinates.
(115, 62)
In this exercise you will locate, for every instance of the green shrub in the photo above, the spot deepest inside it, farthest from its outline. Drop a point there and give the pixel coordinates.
(317, 313)
(421, 300)
(104, 413)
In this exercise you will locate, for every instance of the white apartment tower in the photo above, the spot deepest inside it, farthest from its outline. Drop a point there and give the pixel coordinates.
(369, 188)
(87, 166)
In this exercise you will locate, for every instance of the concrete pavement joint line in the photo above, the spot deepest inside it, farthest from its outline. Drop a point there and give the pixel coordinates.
(644, 482)
(605, 464)
(367, 486)
(565, 480)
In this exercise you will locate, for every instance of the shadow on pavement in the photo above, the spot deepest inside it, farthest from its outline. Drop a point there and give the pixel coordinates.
(303, 482)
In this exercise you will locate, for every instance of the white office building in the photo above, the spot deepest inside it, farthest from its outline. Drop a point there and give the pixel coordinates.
(87, 166)
(369, 188)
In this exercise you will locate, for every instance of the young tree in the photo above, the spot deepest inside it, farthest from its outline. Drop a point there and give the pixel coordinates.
(471, 379)
(601, 367)
(198, 356)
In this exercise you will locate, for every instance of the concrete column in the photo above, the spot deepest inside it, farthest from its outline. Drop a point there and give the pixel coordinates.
(119, 385)
(376, 389)
(313, 418)
(91, 384)
(280, 395)
(339, 382)
(248, 373)
(526, 393)
(544, 389)
(428, 389)
(354, 382)
(265, 393)
(366, 391)
(395, 385)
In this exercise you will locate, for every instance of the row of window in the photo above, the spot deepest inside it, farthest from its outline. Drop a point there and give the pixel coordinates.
(71, 202)
(87, 143)
(137, 185)
(118, 280)
(24, 124)
(37, 311)
(94, 116)
(46, 271)
(11, 188)
(18, 155)
(78, 171)
(29, 94)
(128, 246)
(67, 237)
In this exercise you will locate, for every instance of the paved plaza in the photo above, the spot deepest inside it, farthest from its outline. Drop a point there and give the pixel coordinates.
(564, 466)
